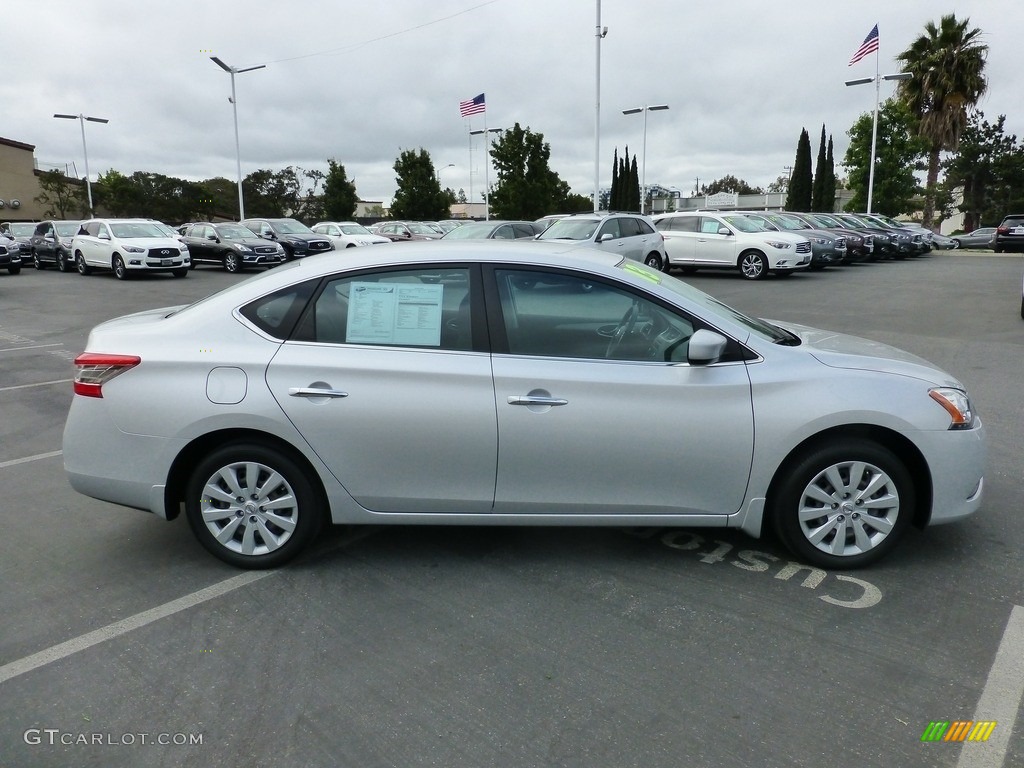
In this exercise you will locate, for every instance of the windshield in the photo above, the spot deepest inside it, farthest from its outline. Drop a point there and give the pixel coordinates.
(421, 229)
(476, 231)
(67, 228)
(235, 232)
(23, 230)
(712, 306)
(355, 229)
(292, 227)
(787, 222)
(136, 229)
(570, 229)
(743, 224)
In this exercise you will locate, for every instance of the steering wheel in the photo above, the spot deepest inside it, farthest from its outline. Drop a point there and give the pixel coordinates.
(624, 329)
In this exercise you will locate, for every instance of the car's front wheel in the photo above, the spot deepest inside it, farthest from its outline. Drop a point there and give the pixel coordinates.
(753, 265)
(843, 504)
(120, 270)
(252, 506)
(232, 262)
(62, 261)
(36, 261)
(956, 244)
(183, 272)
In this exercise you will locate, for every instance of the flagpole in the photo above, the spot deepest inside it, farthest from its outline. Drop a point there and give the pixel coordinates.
(487, 175)
(874, 132)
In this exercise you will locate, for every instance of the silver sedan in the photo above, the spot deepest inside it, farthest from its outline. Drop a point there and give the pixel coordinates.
(511, 384)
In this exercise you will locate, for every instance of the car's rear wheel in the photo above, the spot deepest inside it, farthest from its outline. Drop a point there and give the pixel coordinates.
(653, 260)
(81, 266)
(232, 263)
(252, 506)
(753, 265)
(843, 504)
(120, 270)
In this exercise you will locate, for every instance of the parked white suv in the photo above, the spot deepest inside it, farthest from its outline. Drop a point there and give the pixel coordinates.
(125, 246)
(628, 234)
(732, 241)
(347, 234)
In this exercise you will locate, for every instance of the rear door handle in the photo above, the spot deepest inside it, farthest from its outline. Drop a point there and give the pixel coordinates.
(534, 400)
(315, 392)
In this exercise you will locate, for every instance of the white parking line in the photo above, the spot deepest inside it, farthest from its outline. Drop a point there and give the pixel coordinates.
(40, 384)
(118, 628)
(35, 346)
(27, 459)
(1000, 699)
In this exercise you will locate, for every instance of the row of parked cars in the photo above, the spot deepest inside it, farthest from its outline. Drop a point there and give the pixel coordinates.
(757, 243)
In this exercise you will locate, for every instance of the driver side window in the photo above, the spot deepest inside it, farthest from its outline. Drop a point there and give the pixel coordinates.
(550, 314)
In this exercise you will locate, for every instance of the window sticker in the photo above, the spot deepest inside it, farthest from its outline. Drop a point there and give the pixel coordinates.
(395, 313)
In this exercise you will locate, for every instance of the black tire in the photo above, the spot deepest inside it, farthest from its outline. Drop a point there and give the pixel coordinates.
(14, 270)
(183, 272)
(119, 269)
(232, 262)
(36, 262)
(62, 262)
(753, 265)
(245, 523)
(81, 266)
(1022, 307)
(956, 245)
(868, 532)
(653, 260)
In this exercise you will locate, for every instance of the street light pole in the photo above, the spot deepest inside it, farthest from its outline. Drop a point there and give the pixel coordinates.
(85, 150)
(487, 165)
(234, 104)
(643, 154)
(877, 80)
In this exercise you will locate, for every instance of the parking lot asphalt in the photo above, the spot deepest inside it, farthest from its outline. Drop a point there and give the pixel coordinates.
(122, 643)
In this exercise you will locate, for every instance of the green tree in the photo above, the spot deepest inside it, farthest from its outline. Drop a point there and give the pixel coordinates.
(829, 185)
(418, 195)
(730, 183)
(800, 191)
(898, 154)
(633, 189)
(947, 64)
(526, 187)
(818, 202)
(62, 197)
(613, 194)
(988, 168)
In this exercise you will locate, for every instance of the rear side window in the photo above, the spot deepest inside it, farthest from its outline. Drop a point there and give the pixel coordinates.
(276, 313)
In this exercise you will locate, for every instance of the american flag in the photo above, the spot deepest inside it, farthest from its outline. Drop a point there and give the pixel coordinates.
(472, 107)
(870, 45)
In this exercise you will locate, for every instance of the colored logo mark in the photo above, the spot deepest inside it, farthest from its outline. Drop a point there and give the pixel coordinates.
(958, 730)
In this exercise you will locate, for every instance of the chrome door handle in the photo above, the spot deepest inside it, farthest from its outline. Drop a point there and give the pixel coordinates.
(315, 392)
(531, 400)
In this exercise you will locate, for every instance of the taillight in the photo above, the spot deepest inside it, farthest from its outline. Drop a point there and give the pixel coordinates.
(95, 370)
(1003, 230)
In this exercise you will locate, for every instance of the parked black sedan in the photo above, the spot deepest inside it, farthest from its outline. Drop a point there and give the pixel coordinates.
(51, 244)
(230, 245)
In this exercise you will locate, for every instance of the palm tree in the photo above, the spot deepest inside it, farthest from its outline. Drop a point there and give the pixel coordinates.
(947, 64)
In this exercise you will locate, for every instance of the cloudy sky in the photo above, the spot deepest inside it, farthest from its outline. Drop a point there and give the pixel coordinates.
(361, 81)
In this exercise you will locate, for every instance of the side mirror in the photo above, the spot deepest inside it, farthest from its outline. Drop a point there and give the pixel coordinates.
(213, 238)
(705, 347)
(724, 231)
(103, 236)
(605, 236)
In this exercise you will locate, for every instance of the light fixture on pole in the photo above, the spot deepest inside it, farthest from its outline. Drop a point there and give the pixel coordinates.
(599, 34)
(643, 154)
(877, 80)
(487, 165)
(234, 105)
(81, 119)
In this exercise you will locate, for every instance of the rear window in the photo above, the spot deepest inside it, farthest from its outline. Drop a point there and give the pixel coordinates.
(276, 313)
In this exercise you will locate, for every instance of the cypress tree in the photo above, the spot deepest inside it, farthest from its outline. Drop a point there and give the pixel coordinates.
(799, 197)
(820, 176)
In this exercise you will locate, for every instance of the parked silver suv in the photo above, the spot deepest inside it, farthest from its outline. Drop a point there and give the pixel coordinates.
(628, 234)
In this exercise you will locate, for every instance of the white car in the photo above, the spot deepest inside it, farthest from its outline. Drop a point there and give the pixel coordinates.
(733, 241)
(127, 246)
(629, 235)
(348, 234)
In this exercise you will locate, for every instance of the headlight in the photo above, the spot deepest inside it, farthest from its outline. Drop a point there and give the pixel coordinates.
(957, 404)
(183, 247)
(242, 248)
(776, 244)
(134, 249)
(819, 240)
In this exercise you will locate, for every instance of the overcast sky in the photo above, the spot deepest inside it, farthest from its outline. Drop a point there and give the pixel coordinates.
(361, 81)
